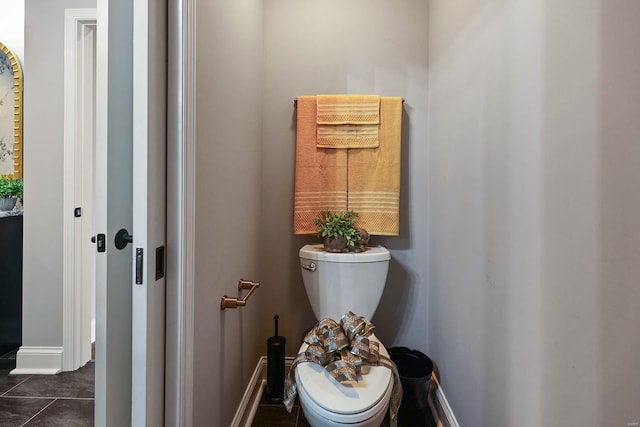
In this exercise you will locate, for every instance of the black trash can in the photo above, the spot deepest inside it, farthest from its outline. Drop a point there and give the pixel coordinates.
(415, 370)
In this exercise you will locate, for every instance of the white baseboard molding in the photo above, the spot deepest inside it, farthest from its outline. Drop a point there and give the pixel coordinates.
(252, 396)
(38, 361)
(440, 408)
(253, 393)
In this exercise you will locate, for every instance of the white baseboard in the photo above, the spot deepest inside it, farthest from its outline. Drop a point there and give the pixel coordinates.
(440, 408)
(252, 396)
(253, 393)
(38, 360)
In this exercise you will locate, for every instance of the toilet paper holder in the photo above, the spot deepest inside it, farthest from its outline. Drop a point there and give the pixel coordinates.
(232, 302)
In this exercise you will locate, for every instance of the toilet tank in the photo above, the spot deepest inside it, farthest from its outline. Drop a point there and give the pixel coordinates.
(337, 283)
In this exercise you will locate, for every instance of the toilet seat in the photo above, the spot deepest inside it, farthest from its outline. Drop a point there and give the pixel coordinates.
(344, 403)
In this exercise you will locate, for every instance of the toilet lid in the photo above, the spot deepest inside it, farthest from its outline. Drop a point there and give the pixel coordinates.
(345, 399)
(316, 252)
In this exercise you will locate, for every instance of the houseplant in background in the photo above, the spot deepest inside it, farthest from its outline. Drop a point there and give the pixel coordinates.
(10, 191)
(339, 232)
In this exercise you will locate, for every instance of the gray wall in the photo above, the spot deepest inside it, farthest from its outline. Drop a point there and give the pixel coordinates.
(227, 247)
(369, 47)
(253, 59)
(617, 297)
(43, 172)
(12, 27)
(534, 243)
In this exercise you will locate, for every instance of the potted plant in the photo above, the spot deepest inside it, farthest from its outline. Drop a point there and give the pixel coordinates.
(10, 190)
(339, 232)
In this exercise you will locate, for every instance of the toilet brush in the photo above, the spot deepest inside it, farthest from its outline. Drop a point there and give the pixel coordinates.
(275, 365)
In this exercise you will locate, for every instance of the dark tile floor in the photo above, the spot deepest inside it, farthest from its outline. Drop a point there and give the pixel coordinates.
(65, 399)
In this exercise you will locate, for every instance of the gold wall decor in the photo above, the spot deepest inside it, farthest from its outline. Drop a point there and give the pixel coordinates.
(10, 114)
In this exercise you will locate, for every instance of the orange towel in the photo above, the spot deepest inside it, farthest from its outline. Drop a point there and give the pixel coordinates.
(348, 121)
(348, 109)
(321, 173)
(374, 175)
(348, 136)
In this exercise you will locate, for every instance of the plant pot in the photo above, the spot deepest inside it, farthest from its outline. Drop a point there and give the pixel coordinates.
(7, 203)
(335, 244)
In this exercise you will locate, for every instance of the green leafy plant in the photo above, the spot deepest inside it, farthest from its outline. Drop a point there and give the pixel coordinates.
(337, 225)
(11, 188)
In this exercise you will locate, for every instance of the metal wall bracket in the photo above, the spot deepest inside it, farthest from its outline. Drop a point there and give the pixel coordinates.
(231, 302)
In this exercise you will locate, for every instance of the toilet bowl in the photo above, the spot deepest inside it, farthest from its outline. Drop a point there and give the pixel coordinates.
(328, 403)
(335, 284)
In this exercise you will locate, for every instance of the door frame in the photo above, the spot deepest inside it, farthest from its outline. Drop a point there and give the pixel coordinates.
(180, 211)
(75, 315)
(181, 185)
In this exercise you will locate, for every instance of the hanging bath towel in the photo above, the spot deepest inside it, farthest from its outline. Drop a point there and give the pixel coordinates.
(374, 175)
(320, 174)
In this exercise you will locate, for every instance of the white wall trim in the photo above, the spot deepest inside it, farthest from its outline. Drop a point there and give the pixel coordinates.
(252, 396)
(442, 412)
(180, 215)
(38, 360)
(189, 198)
(253, 393)
(189, 191)
(72, 301)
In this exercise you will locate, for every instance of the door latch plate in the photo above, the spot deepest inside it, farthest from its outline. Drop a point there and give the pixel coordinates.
(139, 262)
(101, 242)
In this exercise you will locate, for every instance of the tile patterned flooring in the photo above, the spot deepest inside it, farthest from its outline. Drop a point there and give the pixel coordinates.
(65, 399)
(276, 415)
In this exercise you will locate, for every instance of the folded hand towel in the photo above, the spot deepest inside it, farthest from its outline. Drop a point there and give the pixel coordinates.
(374, 175)
(321, 174)
(348, 121)
(348, 109)
(348, 136)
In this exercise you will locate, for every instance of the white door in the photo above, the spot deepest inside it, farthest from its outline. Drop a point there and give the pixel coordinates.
(130, 153)
(149, 209)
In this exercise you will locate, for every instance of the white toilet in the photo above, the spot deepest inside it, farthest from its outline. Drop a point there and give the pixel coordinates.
(335, 284)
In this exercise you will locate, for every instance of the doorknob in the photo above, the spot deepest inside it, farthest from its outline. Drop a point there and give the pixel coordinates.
(122, 238)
